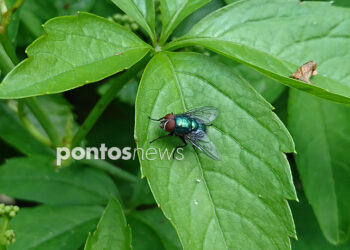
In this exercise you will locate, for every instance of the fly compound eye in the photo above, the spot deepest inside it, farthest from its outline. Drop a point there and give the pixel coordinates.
(169, 125)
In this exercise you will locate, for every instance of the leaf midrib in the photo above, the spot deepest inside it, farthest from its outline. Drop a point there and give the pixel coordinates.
(178, 87)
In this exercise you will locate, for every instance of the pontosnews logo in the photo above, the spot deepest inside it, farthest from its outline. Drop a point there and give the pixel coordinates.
(115, 153)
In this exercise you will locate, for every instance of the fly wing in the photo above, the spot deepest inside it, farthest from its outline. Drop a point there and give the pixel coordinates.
(200, 140)
(204, 114)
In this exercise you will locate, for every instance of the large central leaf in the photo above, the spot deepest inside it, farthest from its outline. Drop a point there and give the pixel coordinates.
(276, 37)
(236, 203)
(76, 50)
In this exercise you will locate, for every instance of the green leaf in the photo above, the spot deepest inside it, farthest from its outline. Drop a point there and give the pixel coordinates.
(14, 133)
(153, 222)
(268, 88)
(309, 233)
(142, 12)
(276, 37)
(321, 130)
(230, 1)
(196, 16)
(35, 178)
(342, 3)
(53, 227)
(173, 12)
(76, 50)
(200, 196)
(112, 231)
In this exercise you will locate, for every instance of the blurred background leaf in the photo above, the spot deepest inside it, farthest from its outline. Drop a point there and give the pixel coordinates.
(54, 227)
(36, 178)
(310, 236)
(321, 131)
(152, 225)
(267, 87)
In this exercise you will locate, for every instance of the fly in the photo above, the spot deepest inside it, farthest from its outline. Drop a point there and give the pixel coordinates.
(191, 126)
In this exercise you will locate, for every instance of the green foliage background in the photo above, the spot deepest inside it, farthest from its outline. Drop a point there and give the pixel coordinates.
(86, 72)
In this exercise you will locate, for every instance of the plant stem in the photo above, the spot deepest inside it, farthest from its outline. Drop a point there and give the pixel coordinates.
(111, 169)
(30, 127)
(44, 121)
(5, 21)
(105, 100)
(3, 227)
(5, 222)
(6, 64)
(8, 48)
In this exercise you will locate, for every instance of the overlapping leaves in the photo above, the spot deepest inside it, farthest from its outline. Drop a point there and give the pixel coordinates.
(276, 37)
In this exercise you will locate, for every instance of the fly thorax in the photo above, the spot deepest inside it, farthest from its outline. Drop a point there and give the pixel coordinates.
(183, 124)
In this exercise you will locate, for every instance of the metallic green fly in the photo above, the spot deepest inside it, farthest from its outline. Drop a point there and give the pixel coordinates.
(191, 126)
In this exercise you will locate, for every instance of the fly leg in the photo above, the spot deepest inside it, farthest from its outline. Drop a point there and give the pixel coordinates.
(157, 120)
(182, 146)
(195, 150)
(160, 137)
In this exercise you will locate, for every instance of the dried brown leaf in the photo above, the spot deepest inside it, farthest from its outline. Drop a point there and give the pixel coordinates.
(305, 72)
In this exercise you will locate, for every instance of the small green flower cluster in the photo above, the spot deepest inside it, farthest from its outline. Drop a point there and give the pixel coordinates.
(7, 236)
(8, 211)
(126, 21)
